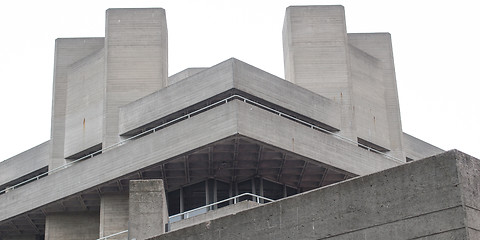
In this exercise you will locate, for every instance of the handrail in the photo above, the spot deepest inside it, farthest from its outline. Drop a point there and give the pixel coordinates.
(112, 235)
(188, 115)
(234, 198)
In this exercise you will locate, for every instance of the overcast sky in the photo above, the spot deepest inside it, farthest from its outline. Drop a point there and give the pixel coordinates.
(436, 47)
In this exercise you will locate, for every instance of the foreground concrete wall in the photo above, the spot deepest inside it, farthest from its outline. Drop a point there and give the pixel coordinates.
(416, 149)
(316, 55)
(25, 163)
(84, 110)
(434, 198)
(135, 61)
(113, 215)
(375, 90)
(67, 52)
(72, 226)
(148, 211)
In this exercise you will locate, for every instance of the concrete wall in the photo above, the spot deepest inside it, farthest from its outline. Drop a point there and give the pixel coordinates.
(315, 50)
(113, 215)
(416, 149)
(210, 215)
(25, 163)
(183, 74)
(135, 61)
(72, 226)
(84, 109)
(434, 198)
(67, 52)
(375, 91)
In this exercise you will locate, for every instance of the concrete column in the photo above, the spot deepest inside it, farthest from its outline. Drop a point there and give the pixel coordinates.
(67, 52)
(383, 93)
(316, 55)
(148, 212)
(72, 226)
(135, 61)
(114, 215)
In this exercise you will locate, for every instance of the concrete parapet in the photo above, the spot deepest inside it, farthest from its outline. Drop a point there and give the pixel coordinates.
(434, 198)
(148, 211)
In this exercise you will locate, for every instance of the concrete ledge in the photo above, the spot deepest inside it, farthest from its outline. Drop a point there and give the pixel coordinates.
(424, 199)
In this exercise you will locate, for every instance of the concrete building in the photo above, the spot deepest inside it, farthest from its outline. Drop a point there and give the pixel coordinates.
(209, 152)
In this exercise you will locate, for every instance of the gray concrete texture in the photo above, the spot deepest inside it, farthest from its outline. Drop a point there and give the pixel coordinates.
(67, 52)
(377, 109)
(229, 75)
(24, 163)
(417, 149)
(72, 226)
(213, 214)
(136, 53)
(148, 211)
(228, 120)
(114, 215)
(84, 110)
(434, 198)
(316, 55)
(354, 70)
(183, 74)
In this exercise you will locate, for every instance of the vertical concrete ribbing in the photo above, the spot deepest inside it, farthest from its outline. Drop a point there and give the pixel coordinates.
(316, 55)
(67, 52)
(148, 212)
(135, 61)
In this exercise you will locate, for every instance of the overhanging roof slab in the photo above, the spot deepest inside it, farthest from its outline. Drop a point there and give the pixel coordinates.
(235, 118)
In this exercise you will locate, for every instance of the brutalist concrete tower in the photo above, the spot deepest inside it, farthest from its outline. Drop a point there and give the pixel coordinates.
(135, 154)
(356, 71)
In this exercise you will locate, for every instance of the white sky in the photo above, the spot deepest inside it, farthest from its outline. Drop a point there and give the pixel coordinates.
(436, 47)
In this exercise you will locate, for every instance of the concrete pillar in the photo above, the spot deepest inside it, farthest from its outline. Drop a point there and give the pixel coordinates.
(67, 52)
(72, 226)
(316, 55)
(114, 215)
(135, 61)
(387, 110)
(148, 212)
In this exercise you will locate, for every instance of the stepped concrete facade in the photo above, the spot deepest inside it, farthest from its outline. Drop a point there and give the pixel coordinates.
(231, 151)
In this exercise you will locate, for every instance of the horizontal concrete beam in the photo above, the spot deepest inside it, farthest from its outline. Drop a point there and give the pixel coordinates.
(434, 198)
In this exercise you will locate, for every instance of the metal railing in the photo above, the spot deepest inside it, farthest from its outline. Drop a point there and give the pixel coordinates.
(113, 235)
(187, 116)
(206, 208)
